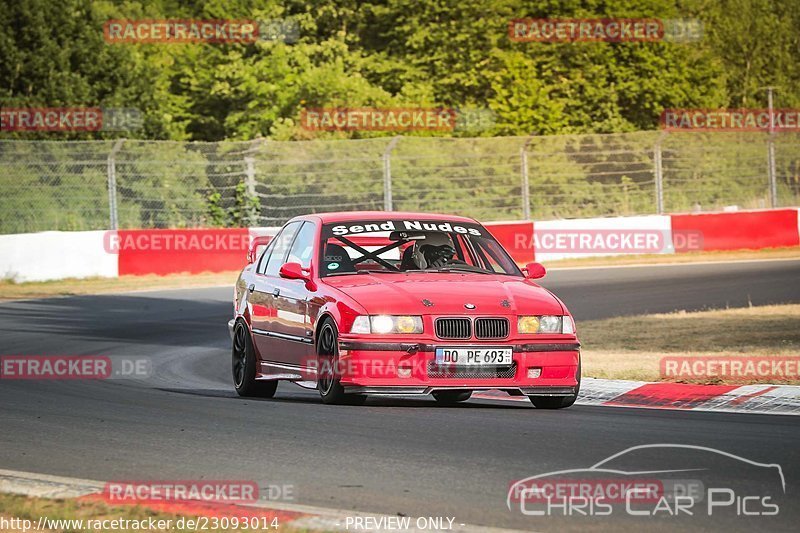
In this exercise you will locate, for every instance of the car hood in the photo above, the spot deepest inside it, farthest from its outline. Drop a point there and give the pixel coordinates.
(447, 294)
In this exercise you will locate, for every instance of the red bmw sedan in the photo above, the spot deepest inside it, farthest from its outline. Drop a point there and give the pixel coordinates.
(388, 303)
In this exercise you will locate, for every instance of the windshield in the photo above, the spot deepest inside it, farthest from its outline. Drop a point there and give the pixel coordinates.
(392, 246)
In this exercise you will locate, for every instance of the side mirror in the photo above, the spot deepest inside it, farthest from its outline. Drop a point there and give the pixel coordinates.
(295, 271)
(534, 271)
(252, 253)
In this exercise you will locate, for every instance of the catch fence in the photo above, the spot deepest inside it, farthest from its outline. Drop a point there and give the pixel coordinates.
(83, 185)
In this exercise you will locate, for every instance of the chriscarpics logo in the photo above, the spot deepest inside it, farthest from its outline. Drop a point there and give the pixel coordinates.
(665, 481)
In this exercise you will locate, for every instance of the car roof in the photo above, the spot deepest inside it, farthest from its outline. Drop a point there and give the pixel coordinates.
(347, 216)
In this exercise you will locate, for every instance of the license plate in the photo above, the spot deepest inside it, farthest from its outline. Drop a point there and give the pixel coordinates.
(474, 356)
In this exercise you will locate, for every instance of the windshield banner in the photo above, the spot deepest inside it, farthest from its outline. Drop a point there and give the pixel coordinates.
(357, 227)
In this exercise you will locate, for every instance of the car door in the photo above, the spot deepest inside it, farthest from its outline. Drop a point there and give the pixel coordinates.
(292, 324)
(262, 297)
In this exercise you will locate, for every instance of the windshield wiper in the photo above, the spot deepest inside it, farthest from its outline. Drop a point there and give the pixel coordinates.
(358, 272)
(463, 268)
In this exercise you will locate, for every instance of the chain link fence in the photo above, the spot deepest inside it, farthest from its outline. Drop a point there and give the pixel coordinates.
(157, 184)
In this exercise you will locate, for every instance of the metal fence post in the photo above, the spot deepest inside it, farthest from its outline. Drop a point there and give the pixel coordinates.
(388, 204)
(773, 182)
(659, 174)
(250, 186)
(250, 175)
(111, 171)
(250, 179)
(525, 185)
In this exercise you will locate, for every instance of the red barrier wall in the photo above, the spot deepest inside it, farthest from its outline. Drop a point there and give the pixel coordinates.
(169, 251)
(516, 238)
(740, 230)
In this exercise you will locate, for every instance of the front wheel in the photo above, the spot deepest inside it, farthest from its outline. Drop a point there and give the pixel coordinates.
(558, 402)
(328, 382)
(243, 365)
(552, 402)
(451, 397)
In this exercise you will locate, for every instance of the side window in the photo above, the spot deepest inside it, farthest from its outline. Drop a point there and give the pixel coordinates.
(303, 246)
(493, 257)
(262, 261)
(282, 244)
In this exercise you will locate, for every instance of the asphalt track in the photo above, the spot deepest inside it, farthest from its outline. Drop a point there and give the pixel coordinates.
(390, 456)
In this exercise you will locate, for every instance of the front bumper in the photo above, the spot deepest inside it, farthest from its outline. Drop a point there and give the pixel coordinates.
(424, 391)
(409, 368)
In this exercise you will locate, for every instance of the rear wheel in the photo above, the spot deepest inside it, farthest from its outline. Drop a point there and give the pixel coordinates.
(451, 397)
(328, 382)
(243, 366)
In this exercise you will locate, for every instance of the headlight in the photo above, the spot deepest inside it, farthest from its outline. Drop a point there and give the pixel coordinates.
(545, 324)
(382, 324)
(550, 324)
(385, 324)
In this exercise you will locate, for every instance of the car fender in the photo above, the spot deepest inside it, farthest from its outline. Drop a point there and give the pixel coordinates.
(342, 309)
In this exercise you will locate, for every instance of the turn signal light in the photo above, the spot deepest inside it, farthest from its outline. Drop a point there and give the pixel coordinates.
(528, 324)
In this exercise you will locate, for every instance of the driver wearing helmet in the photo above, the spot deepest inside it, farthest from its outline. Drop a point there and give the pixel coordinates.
(435, 250)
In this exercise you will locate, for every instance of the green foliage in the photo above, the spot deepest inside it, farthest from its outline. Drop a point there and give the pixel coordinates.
(245, 208)
(413, 53)
(454, 53)
(244, 211)
(216, 214)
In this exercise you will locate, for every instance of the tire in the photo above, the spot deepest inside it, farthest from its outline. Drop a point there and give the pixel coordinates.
(328, 383)
(552, 402)
(243, 366)
(451, 397)
(558, 402)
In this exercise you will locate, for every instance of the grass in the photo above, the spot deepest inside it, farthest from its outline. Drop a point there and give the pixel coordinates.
(10, 290)
(690, 257)
(14, 506)
(632, 347)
